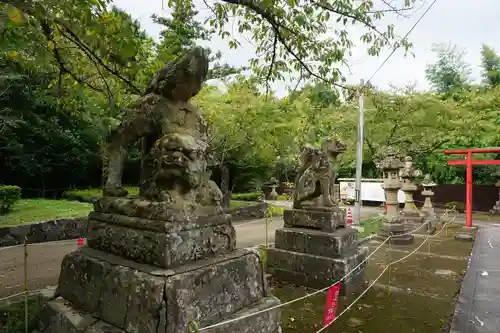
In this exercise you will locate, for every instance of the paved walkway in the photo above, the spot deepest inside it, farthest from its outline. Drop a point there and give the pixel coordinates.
(478, 306)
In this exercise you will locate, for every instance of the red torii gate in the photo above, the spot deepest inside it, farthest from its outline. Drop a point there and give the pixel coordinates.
(469, 162)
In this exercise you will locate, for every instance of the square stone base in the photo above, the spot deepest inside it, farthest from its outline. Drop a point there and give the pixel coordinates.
(165, 244)
(342, 242)
(60, 317)
(317, 271)
(415, 223)
(324, 219)
(131, 297)
(399, 231)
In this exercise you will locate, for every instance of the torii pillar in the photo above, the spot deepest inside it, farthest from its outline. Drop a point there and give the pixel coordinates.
(469, 162)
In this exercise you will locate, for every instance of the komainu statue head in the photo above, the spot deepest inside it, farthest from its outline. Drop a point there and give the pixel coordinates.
(182, 79)
(181, 162)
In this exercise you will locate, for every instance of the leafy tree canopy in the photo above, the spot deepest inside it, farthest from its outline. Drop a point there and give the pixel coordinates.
(450, 73)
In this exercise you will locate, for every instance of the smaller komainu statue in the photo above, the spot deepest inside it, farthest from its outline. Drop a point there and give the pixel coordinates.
(173, 133)
(319, 170)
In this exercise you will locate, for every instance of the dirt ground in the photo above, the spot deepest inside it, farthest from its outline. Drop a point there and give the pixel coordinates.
(43, 266)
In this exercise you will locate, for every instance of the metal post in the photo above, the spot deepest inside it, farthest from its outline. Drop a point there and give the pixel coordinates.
(359, 155)
(25, 284)
(468, 189)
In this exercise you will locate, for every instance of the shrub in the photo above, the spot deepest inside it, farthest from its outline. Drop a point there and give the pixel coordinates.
(81, 194)
(251, 196)
(460, 206)
(371, 225)
(9, 195)
(274, 211)
(78, 194)
(284, 197)
(12, 315)
(348, 201)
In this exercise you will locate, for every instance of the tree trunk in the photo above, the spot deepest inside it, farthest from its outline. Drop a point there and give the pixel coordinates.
(224, 186)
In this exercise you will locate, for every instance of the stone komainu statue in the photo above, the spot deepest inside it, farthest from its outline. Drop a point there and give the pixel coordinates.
(319, 168)
(173, 134)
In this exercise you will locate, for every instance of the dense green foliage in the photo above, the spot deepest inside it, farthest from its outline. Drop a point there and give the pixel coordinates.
(450, 72)
(66, 74)
(9, 196)
(251, 196)
(12, 316)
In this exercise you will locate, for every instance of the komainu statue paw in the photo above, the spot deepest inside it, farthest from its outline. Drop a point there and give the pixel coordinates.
(114, 191)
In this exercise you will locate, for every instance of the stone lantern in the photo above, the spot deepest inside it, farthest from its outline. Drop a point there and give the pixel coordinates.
(273, 184)
(393, 224)
(428, 185)
(496, 208)
(428, 208)
(408, 174)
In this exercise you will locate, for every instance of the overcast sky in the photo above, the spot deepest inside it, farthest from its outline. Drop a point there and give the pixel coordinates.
(465, 23)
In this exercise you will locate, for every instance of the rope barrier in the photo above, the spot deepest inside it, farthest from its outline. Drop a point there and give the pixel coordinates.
(31, 292)
(380, 275)
(193, 326)
(315, 292)
(61, 242)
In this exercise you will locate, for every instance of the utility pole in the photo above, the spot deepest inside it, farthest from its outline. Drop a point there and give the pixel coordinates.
(359, 154)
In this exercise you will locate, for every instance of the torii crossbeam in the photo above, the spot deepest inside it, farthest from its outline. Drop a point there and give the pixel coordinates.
(469, 162)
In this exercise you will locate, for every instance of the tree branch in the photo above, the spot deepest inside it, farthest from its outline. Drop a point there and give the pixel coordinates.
(75, 39)
(57, 56)
(276, 25)
(273, 59)
(355, 16)
(298, 82)
(392, 132)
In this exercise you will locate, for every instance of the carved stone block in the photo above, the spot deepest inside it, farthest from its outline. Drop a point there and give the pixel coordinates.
(327, 220)
(343, 242)
(317, 271)
(159, 243)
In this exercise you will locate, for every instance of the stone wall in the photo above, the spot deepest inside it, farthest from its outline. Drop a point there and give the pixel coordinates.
(257, 211)
(46, 231)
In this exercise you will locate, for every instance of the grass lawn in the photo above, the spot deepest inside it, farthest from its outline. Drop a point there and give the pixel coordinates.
(36, 210)
(95, 192)
(238, 204)
(371, 226)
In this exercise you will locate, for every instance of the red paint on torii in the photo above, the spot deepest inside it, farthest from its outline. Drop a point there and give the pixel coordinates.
(469, 162)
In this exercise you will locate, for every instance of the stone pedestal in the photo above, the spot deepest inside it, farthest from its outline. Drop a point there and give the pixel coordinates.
(153, 274)
(398, 229)
(273, 195)
(428, 208)
(315, 249)
(410, 214)
(393, 225)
